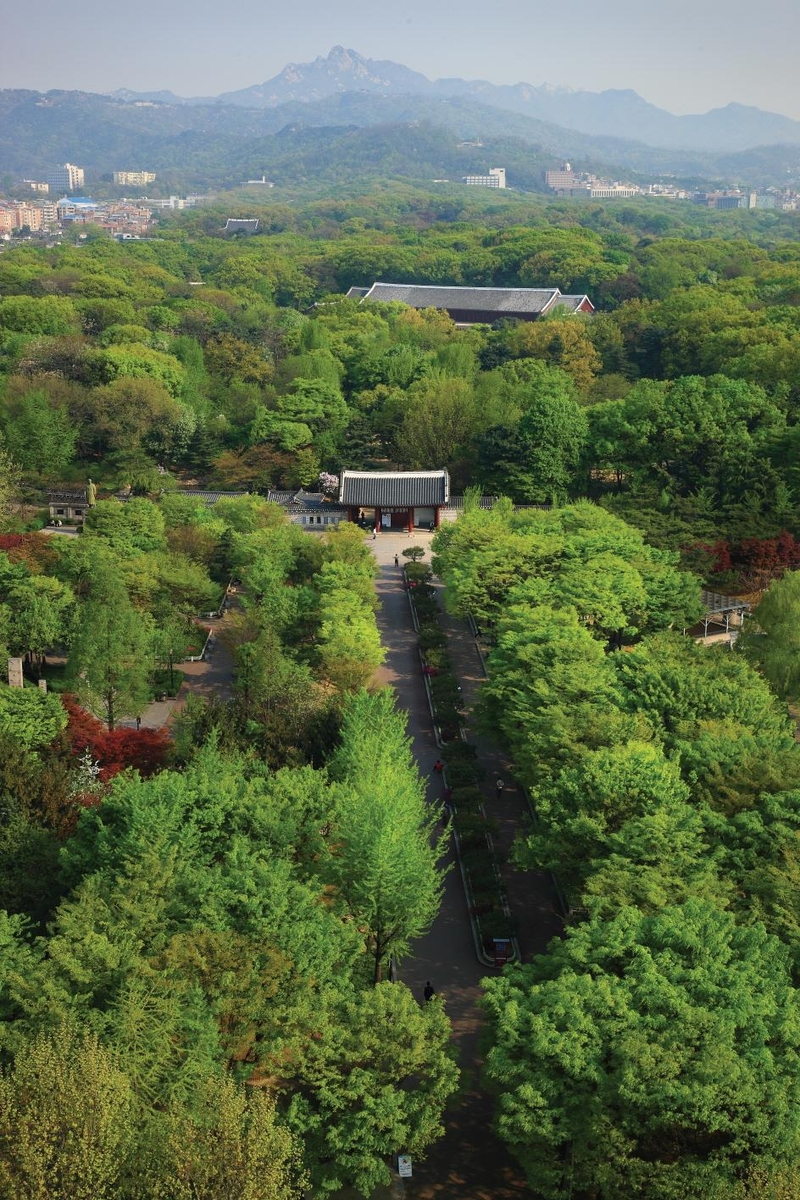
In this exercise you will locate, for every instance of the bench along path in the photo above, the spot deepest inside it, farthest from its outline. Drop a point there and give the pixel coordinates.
(469, 1163)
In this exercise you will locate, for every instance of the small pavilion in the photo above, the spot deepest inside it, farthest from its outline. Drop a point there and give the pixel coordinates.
(723, 618)
(395, 499)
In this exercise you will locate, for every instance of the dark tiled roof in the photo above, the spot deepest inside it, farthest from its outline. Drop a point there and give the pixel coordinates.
(66, 497)
(299, 501)
(210, 497)
(330, 510)
(573, 303)
(467, 299)
(241, 224)
(356, 292)
(394, 489)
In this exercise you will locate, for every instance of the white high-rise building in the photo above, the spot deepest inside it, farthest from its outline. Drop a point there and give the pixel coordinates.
(495, 178)
(134, 178)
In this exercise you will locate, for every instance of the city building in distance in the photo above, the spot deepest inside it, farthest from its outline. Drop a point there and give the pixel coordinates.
(496, 178)
(134, 178)
(66, 178)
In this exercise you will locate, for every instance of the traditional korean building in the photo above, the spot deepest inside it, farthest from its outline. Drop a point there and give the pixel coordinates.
(68, 507)
(313, 510)
(477, 305)
(395, 499)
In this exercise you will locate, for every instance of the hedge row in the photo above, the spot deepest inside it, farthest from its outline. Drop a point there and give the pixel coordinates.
(464, 773)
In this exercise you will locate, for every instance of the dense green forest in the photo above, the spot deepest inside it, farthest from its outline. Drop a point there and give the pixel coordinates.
(197, 929)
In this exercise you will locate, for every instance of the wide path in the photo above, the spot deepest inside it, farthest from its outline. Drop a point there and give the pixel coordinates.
(469, 1163)
(211, 679)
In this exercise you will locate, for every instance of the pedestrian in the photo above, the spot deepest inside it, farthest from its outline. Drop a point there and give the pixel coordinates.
(138, 724)
(374, 534)
(499, 788)
(428, 991)
(397, 560)
(438, 766)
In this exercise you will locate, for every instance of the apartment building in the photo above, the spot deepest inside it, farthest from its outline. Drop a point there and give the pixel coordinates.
(134, 178)
(66, 178)
(496, 178)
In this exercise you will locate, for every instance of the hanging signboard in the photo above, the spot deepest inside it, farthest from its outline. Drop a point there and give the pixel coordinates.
(404, 1166)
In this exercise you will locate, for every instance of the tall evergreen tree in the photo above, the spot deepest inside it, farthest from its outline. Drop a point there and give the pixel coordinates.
(383, 861)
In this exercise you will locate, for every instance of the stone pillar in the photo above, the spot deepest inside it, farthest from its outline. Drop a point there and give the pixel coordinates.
(15, 672)
(43, 685)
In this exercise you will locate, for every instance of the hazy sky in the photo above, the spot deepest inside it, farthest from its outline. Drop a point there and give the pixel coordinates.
(684, 55)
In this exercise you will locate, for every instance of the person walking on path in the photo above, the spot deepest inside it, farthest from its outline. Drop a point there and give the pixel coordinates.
(499, 788)
(397, 560)
(438, 766)
(428, 991)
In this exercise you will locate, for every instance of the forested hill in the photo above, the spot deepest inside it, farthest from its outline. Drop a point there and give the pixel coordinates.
(412, 136)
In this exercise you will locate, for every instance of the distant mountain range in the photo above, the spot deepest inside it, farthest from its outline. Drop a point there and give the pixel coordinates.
(345, 118)
(613, 113)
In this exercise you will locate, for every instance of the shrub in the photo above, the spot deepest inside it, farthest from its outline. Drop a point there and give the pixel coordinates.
(479, 864)
(475, 826)
(460, 773)
(431, 639)
(436, 659)
(496, 925)
(444, 689)
(465, 751)
(464, 797)
(483, 903)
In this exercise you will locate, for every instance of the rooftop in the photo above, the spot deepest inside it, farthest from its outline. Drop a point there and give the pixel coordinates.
(73, 496)
(394, 489)
(209, 497)
(573, 303)
(466, 299)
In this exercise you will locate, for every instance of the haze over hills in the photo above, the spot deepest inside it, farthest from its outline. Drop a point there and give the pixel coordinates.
(216, 144)
(379, 126)
(613, 113)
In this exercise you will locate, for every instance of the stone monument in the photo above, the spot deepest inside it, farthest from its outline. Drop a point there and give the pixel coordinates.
(91, 494)
(15, 672)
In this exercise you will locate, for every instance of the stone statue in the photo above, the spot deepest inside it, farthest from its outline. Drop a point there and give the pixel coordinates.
(91, 494)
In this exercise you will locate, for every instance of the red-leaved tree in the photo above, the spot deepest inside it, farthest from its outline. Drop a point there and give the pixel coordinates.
(145, 749)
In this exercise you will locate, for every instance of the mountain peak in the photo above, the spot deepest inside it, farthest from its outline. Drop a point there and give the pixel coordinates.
(616, 112)
(340, 57)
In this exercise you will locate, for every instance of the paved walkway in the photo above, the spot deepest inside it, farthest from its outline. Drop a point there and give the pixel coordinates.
(213, 677)
(469, 1163)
